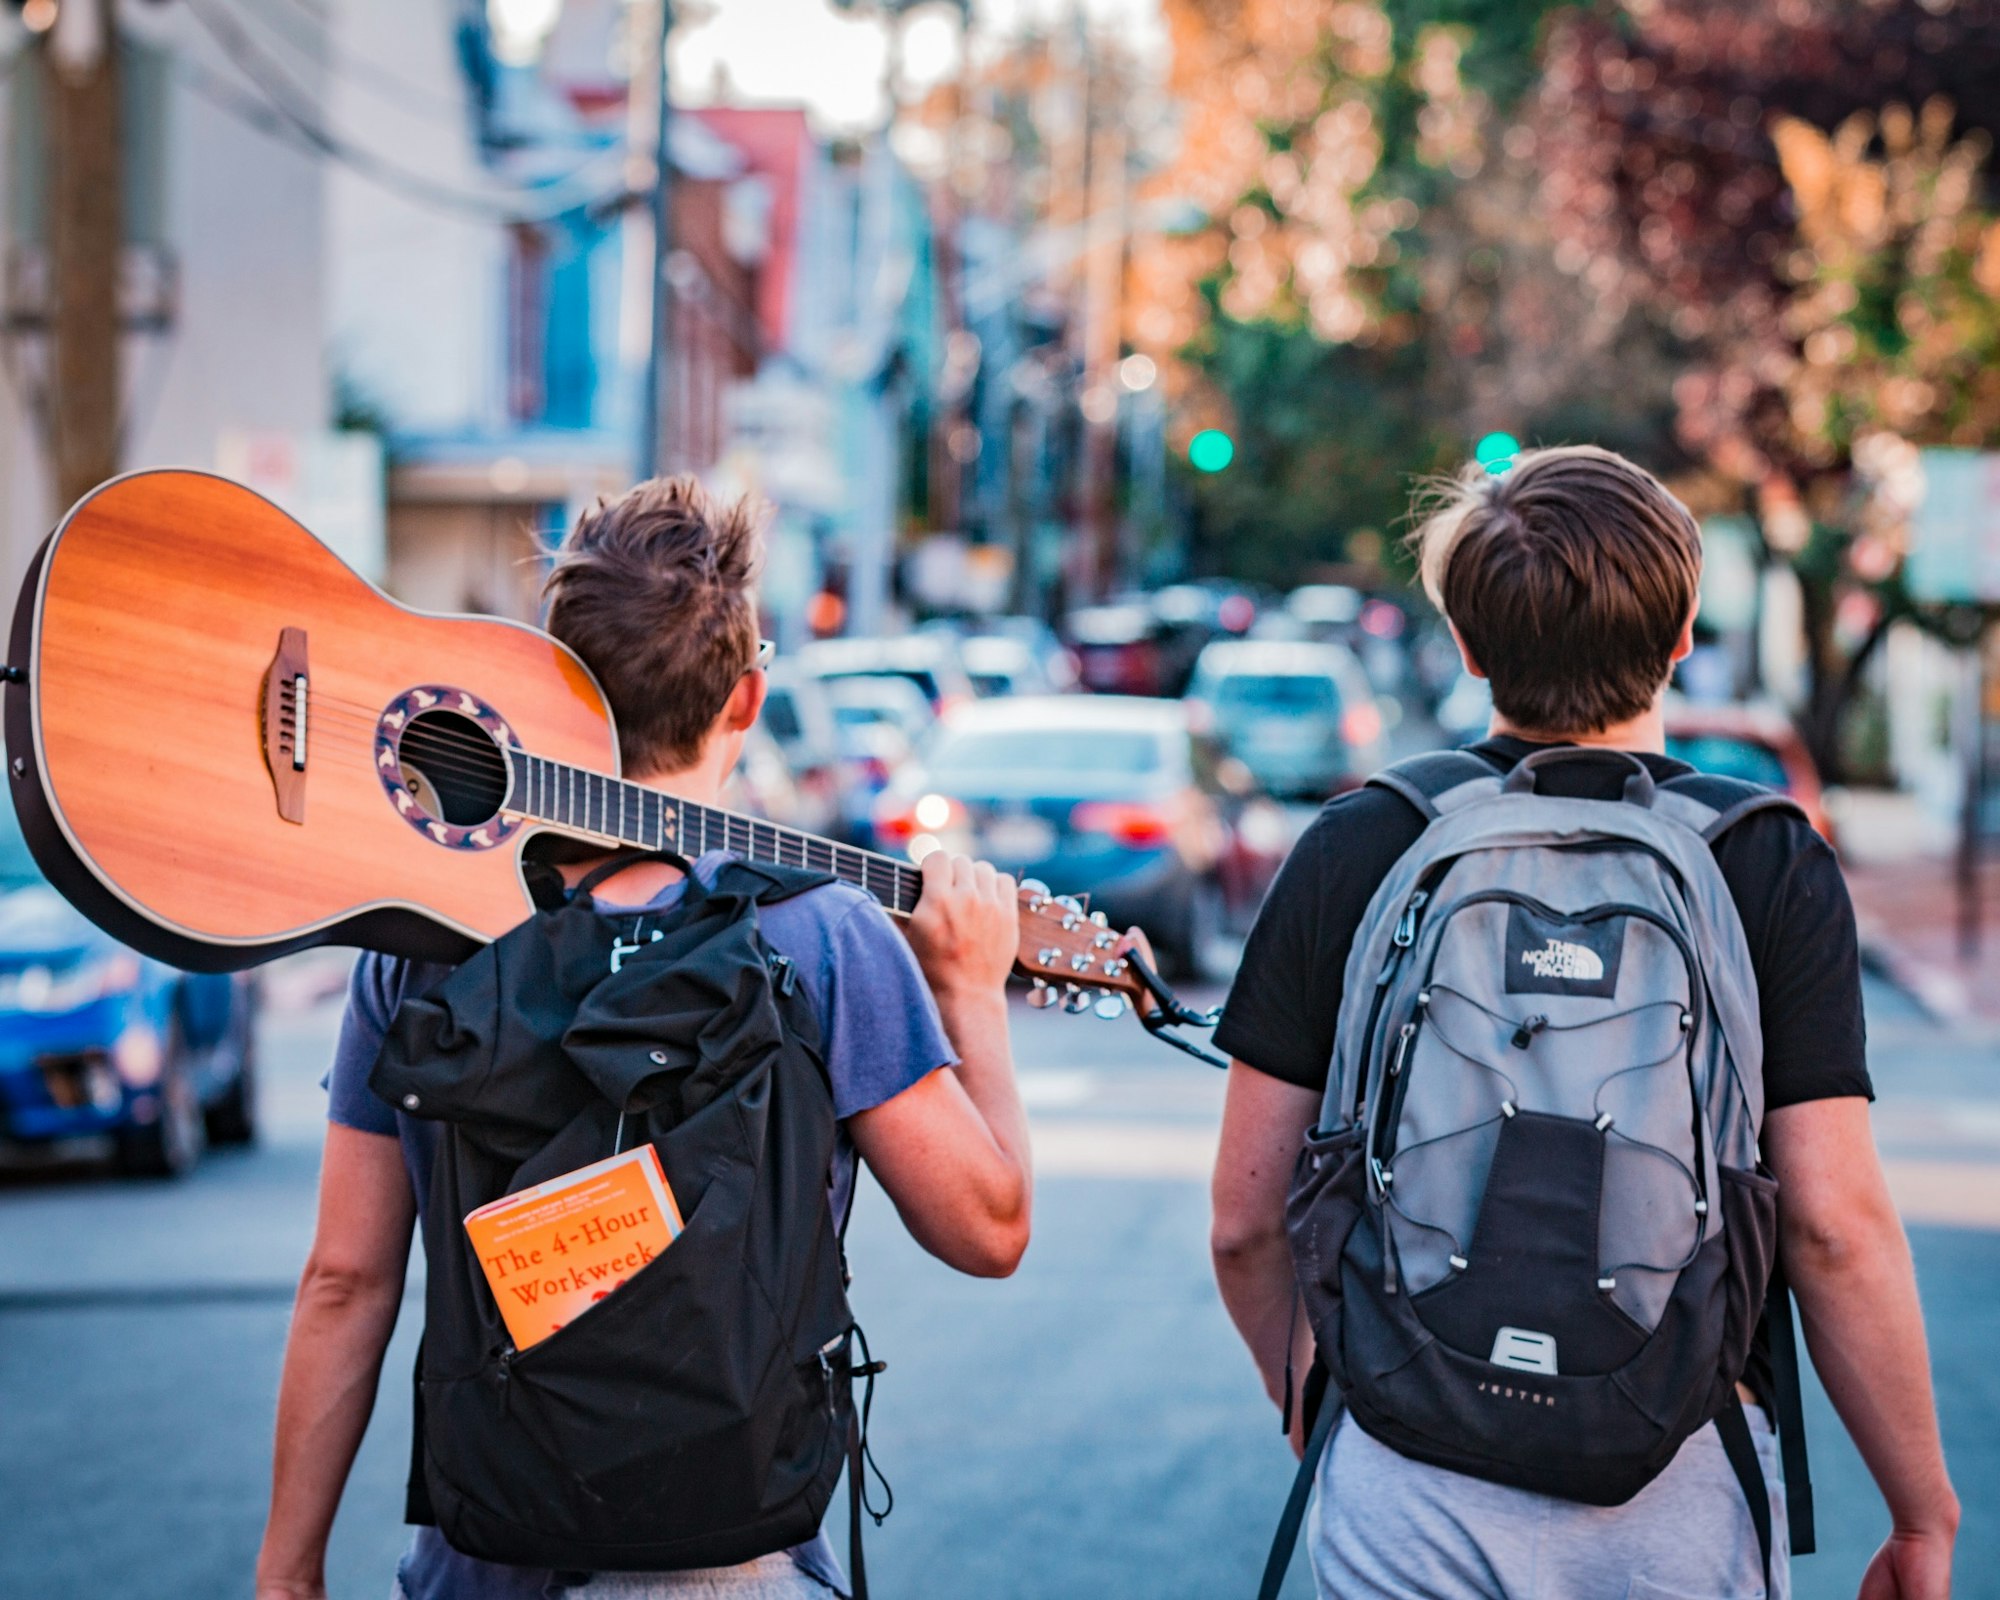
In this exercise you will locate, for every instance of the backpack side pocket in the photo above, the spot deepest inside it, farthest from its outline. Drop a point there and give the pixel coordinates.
(1750, 1234)
(1325, 1202)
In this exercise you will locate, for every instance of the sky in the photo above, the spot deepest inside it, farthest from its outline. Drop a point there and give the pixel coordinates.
(808, 52)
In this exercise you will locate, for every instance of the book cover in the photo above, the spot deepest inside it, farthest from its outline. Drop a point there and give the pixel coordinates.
(552, 1252)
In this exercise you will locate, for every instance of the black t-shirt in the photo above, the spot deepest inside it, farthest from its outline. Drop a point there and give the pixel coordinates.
(1786, 883)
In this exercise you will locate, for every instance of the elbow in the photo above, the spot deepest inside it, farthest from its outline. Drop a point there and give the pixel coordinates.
(997, 1254)
(335, 1288)
(994, 1247)
(1820, 1248)
(1237, 1238)
(998, 1249)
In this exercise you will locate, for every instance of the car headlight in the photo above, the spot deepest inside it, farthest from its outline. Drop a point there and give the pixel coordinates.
(37, 989)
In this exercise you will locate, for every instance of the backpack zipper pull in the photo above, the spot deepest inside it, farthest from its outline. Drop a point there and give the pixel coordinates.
(1406, 925)
(1524, 1035)
(1402, 1049)
(826, 1370)
(784, 974)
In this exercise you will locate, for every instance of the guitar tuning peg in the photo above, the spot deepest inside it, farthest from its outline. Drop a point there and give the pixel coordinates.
(1041, 996)
(1076, 1001)
(1110, 1005)
(1100, 919)
(1035, 887)
(1071, 904)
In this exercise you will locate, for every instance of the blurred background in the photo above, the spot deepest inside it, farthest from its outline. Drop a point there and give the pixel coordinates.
(1088, 353)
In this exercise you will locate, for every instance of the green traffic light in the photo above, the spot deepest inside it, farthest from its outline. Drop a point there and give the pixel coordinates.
(1496, 452)
(1211, 450)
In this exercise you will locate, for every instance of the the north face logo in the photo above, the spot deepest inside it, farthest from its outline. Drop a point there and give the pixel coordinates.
(1561, 961)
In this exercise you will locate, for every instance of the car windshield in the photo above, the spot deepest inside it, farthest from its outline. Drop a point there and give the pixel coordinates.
(1289, 694)
(1729, 757)
(925, 681)
(976, 756)
(17, 866)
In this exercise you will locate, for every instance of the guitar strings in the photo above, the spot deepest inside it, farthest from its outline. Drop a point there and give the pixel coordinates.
(457, 753)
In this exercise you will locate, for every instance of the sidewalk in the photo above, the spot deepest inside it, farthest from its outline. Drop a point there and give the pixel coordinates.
(1902, 875)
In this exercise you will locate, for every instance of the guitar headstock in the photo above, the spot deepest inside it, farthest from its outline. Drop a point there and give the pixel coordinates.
(1066, 954)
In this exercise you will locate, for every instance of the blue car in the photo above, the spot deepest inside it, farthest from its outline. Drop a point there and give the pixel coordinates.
(97, 1041)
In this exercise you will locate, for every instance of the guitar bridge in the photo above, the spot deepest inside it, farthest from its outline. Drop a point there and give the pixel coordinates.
(285, 704)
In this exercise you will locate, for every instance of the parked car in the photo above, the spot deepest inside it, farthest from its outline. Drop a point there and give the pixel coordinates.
(1754, 742)
(764, 785)
(97, 1041)
(1329, 611)
(1301, 717)
(1106, 796)
(878, 722)
(929, 660)
(998, 664)
(1117, 648)
(799, 716)
(1009, 654)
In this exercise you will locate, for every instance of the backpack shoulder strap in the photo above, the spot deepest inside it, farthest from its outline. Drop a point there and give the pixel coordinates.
(767, 884)
(1712, 805)
(1286, 1540)
(1431, 782)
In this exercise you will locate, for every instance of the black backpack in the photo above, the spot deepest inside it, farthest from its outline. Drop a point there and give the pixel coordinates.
(701, 1414)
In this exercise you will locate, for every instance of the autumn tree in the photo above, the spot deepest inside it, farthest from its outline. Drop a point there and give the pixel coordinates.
(1759, 180)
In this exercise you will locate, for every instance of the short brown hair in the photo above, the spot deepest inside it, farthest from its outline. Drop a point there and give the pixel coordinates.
(1569, 576)
(656, 591)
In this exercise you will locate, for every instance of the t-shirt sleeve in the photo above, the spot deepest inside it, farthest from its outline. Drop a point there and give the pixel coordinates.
(881, 1031)
(1808, 964)
(373, 993)
(1285, 1003)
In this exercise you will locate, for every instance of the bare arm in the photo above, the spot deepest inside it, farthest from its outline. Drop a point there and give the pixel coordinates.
(346, 1311)
(952, 1149)
(1264, 1119)
(1850, 1267)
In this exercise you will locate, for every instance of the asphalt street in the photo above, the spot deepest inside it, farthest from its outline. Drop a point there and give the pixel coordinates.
(1087, 1428)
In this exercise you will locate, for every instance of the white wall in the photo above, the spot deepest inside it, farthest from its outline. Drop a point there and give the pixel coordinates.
(247, 351)
(415, 290)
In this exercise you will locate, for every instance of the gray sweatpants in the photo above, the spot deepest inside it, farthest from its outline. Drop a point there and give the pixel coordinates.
(1385, 1527)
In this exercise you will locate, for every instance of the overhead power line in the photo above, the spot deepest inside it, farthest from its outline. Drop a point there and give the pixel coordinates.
(283, 106)
(305, 26)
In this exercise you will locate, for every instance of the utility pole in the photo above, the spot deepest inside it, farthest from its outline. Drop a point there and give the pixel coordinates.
(657, 411)
(86, 245)
(1103, 325)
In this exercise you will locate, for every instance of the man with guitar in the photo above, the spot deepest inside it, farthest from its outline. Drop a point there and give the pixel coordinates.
(654, 592)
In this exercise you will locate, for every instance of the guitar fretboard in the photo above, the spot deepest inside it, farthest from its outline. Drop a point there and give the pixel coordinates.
(585, 802)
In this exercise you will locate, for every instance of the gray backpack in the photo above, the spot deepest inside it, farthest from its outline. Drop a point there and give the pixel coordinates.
(1530, 1229)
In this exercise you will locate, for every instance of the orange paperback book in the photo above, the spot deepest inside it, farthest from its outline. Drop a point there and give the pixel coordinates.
(554, 1251)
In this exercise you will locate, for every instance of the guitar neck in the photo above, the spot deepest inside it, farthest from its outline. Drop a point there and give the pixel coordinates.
(593, 805)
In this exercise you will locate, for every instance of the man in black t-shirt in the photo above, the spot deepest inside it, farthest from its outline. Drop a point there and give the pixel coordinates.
(1570, 582)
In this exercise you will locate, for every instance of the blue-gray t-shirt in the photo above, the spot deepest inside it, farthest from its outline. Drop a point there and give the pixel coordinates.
(880, 1031)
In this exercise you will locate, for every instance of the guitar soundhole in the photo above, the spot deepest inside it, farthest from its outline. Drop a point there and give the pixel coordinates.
(451, 764)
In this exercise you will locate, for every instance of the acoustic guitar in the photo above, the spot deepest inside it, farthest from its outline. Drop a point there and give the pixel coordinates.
(224, 744)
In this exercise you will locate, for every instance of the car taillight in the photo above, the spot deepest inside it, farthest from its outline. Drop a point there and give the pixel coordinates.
(1127, 822)
(897, 823)
(1361, 724)
(906, 822)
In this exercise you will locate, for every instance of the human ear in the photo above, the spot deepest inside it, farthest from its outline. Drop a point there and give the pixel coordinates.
(1684, 645)
(1464, 654)
(745, 703)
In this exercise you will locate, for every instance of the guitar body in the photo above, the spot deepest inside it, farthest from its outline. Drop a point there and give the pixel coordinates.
(177, 629)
